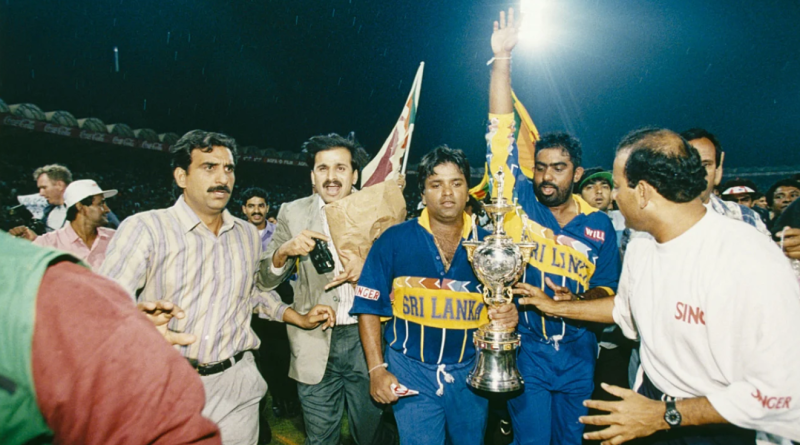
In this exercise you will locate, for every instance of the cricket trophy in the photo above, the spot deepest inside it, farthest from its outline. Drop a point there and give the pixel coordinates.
(498, 263)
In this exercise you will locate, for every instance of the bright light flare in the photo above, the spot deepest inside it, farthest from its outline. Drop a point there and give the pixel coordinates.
(537, 27)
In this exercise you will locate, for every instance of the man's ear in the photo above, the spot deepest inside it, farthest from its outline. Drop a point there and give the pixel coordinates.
(423, 198)
(355, 177)
(644, 193)
(180, 177)
(578, 175)
(718, 175)
(313, 181)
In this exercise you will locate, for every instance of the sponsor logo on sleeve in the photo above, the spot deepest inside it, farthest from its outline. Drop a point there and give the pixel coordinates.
(772, 402)
(597, 235)
(369, 294)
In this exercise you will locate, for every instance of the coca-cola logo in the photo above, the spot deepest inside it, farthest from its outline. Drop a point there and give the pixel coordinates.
(152, 146)
(21, 123)
(128, 142)
(58, 129)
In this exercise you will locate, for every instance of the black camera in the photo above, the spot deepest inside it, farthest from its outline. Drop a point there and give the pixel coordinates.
(321, 257)
(20, 216)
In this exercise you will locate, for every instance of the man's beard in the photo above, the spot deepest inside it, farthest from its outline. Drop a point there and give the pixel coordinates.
(556, 199)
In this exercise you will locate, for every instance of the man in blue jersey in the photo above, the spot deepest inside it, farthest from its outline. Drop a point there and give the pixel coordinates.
(577, 249)
(418, 273)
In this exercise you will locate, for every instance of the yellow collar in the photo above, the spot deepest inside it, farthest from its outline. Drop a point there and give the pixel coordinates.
(425, 221)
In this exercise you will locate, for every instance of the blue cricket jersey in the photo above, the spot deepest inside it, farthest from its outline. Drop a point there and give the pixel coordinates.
(434, 313)
(580, 256)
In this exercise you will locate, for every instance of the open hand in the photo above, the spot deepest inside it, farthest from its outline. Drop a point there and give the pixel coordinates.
(561, 293)
(534, 296)
(352, 271)
(504, 37)
(160, 313)
(633, 416)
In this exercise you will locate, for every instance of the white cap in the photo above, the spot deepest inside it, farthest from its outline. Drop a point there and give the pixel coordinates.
(84, 188)
(737, 190)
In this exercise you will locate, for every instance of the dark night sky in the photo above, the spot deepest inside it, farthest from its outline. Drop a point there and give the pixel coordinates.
(273, 73)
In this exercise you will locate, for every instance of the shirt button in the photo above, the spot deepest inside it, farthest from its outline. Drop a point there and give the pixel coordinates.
(336, 299)
(437, 257)
(442, 274)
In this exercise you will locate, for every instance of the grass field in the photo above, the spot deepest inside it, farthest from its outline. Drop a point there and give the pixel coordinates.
(290, 431)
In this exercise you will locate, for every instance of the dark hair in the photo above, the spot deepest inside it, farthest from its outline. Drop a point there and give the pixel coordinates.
(585, 179)
(254, 192)
(563, 141)
(700, 133)
(72, 211)
(782, 183)
(204, 141)
(54, 172)
(666, 161)
(438, 156)
(330, 141)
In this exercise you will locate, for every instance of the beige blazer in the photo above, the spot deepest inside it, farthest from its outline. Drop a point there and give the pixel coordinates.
(309, 348)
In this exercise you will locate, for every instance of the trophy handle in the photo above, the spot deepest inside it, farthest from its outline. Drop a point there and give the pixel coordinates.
(509, 295)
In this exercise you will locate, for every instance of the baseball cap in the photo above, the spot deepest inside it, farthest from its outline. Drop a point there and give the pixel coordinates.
(84, 188)
(597, 175)
(737, 189)
(738, 186)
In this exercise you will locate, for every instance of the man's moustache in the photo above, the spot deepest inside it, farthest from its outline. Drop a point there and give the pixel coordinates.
(327, 183)
(544, 184)
(221, 188)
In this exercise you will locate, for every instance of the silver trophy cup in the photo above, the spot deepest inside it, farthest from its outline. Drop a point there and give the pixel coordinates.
(498, 263)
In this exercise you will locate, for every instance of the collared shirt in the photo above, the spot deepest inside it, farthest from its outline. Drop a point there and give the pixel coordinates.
(67, 240)
(266, 235)
(345, 291)
(435, 312)
(169, 254)
(738, 212)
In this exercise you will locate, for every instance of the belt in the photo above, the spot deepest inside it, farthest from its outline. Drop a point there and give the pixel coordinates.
(216, 368)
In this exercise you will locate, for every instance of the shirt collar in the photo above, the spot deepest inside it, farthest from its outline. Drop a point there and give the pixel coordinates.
(425, 221)
(188, 219)
(70, 233)
(583, 206)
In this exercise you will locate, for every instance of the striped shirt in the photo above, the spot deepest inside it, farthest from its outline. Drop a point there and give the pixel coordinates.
(169, 254)
(346, 291)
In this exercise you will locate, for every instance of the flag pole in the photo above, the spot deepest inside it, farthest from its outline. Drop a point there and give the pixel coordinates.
(418, 87)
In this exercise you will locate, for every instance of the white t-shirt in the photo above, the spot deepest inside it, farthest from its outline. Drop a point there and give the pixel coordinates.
(717, 310)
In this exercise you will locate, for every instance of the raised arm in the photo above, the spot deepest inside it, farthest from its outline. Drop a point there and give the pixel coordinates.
(504, 39)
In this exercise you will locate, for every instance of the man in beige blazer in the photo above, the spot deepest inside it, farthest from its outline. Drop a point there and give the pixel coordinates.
(329, 365)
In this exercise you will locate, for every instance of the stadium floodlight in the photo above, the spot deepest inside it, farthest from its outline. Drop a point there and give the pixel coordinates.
(536, 28)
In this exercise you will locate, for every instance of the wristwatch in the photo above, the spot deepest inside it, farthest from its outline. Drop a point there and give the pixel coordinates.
(672, 416)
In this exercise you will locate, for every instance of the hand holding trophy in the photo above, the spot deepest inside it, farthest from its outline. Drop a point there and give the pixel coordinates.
(498, 263)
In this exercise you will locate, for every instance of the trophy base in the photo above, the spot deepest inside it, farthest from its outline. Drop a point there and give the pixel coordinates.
(495, 367)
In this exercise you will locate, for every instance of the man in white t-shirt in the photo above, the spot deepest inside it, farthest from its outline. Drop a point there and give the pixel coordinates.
(713, 302)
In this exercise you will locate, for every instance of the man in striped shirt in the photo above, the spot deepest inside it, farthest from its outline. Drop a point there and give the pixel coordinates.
(198, 256)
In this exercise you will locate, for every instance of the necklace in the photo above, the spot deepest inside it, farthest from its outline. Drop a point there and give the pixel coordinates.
(446, 252)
